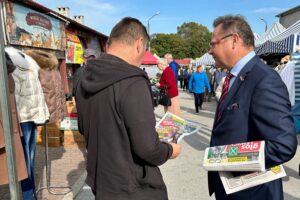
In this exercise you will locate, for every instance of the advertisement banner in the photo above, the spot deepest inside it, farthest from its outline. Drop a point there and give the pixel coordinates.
(74, 50)
(27, 27)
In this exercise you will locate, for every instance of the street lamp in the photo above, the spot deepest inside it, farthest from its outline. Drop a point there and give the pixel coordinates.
(266, 28)
(148, 27)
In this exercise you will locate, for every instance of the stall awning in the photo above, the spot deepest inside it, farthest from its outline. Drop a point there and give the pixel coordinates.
(206, 59)
(275, 30)
(284, 42)
(149, 59)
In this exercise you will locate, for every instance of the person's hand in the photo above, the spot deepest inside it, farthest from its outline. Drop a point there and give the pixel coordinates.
(176, 150)
(157, 84)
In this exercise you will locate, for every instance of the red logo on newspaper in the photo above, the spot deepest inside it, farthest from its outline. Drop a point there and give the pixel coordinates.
(246, 147)
(167, 123)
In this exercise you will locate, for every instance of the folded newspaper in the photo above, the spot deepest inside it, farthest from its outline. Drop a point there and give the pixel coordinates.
(234, 184)
(172, 128)
(248, 156)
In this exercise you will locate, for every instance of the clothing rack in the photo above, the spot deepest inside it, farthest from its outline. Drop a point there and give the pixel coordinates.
(48, 186)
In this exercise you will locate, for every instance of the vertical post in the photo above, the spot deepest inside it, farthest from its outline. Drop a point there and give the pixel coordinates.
(7, 123)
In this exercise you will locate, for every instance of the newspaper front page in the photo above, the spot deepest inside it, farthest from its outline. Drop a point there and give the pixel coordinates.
(248, 156)
(234, 184)
(172, 128)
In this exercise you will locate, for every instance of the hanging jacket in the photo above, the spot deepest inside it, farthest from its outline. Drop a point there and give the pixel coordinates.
(30, 98)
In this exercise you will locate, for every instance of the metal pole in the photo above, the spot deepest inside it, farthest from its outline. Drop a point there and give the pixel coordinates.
(266, 27)
(7, 123)
(157, 13)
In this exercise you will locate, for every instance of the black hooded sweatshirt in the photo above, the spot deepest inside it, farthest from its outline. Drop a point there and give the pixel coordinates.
(115, 114)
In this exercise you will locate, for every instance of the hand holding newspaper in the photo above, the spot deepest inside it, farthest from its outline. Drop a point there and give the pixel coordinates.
(234, 184)
(248, 156)
(172, 128)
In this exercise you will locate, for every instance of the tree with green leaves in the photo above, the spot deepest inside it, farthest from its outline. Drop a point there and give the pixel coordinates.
(190, 41)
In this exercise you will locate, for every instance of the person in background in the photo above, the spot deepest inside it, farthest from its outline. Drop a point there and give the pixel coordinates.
(197, 84)
(116, 116)
(181, 77)
(174, 66)
(207, 93)
(185, 78)
(254, 99)
(167, 80)
(88, 54)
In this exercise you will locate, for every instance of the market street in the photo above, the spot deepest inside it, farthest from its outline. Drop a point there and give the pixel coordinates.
(185, 178)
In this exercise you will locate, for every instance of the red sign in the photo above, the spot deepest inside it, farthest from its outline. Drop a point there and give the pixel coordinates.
(247, 146)
(38, 20)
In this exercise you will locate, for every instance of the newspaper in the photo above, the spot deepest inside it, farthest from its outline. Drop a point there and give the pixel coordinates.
(248, 156)
(172, 128)
(234, 184)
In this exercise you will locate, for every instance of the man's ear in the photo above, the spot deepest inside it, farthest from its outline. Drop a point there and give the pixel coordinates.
(140, 45)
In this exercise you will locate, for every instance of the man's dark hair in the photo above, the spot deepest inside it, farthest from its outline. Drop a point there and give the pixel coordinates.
(128, 30)
(237, 24)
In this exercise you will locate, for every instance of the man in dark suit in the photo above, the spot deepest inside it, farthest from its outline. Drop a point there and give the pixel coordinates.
(254, 107)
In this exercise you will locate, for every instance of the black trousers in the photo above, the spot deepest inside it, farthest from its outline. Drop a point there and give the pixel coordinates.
(198, 101)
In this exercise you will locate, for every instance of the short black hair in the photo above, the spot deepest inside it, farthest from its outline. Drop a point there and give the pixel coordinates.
(128, 30)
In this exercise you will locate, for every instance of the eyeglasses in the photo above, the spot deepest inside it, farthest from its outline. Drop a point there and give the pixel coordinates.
(213, 44)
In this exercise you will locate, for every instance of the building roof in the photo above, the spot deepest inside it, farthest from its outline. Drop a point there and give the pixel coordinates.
(45, 10)
(292, 10)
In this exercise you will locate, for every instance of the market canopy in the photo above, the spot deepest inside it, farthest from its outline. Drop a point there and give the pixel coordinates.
(275, 30)
(149, 59)
(285, 42)
(206, 59)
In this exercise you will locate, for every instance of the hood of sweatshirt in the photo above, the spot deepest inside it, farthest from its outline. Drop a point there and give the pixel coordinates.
(107, 70)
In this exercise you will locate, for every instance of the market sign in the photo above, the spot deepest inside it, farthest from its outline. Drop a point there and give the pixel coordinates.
(74, 52)
(38, 20)
(28, 27)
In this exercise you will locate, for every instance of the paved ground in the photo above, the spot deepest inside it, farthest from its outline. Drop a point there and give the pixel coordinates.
(184, 176)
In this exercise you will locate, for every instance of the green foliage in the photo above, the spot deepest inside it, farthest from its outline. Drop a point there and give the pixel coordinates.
(190, 41)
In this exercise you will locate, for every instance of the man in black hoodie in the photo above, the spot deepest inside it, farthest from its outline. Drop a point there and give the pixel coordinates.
(115, 113)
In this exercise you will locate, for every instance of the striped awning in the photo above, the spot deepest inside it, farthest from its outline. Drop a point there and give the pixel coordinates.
(284, 42)
(296, 59)
(275, 30)
(206, 59)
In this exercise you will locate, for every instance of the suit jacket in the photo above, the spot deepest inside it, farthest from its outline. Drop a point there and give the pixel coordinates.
(257, 107)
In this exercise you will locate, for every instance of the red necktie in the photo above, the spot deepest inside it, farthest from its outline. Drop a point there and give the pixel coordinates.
(224, 92)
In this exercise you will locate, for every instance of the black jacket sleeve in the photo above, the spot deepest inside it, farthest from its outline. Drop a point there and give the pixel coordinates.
(138, 114)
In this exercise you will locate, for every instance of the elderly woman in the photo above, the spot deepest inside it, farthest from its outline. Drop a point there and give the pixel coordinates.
(167, 80)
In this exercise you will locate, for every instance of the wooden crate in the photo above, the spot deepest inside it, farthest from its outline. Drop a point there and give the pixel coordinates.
(73, 139)
(55, 135)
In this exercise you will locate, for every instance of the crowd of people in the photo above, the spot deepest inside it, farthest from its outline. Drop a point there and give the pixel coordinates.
(124, 150)
(116, 115)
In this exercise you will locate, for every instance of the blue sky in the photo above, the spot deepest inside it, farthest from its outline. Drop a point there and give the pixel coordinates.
(102, 15)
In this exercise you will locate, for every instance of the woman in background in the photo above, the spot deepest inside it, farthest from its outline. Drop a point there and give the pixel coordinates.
(167, 80)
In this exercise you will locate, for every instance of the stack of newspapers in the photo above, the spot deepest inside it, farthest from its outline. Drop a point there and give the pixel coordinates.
(172, 128)
(241, 157)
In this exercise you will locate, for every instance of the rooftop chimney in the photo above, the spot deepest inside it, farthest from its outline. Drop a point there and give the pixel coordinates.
(63, 11)
(79, 19)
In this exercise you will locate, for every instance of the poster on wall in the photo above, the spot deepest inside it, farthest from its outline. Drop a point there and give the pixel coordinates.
(74, 49)
(27, 27)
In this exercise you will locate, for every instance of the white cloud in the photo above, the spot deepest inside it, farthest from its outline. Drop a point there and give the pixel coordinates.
(269, 10)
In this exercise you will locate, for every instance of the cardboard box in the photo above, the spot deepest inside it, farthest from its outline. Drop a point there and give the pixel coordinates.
(55, 135)
(73, 139)
(71, 106)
